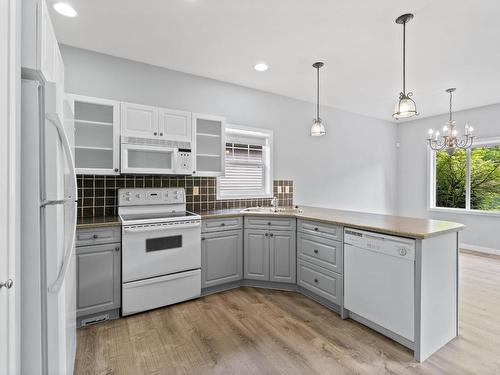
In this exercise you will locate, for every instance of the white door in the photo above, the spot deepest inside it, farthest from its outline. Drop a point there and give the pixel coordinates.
(139, 120)
(175, 125)
(9, 187)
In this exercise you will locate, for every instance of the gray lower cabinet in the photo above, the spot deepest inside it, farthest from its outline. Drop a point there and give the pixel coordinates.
(282, 256)
(270, 255)
(98, 282)
(221, 257)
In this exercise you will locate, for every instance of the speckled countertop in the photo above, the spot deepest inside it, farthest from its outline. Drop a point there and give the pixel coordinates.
(396, 225)
(98, 222)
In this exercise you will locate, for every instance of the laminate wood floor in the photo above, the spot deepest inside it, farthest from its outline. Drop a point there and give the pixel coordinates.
(259, 331)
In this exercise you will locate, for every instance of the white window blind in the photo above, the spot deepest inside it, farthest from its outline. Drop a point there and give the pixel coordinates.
(247, 173)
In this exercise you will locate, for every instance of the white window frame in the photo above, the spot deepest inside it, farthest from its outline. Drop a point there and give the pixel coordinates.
(431, 206)
(267, 156)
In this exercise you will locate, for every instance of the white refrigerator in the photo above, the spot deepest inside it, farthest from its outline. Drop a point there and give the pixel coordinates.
(48, 221)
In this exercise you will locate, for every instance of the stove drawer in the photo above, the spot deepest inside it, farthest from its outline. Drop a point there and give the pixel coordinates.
(160, 291)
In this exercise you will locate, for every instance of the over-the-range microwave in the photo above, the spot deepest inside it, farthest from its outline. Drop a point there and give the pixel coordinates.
(155, 156)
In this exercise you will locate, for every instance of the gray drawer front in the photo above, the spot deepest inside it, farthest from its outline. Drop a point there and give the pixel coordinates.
(320, 281)
(96, 236)
(320, 251)
(216, 225)
(331, 231)
(269, 222)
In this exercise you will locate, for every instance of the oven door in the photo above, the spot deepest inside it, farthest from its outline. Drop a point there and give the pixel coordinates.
(147, 159)
(150, 250)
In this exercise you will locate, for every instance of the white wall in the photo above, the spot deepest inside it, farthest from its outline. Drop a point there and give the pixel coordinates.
(481, 231)
(352, 167)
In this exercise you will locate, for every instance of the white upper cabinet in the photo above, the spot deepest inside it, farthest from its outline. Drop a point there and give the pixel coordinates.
(209, 144)
(175, 125)
(139, 120)
(97, 135)
(39, 48)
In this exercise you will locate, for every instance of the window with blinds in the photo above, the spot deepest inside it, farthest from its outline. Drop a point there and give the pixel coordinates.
(247, 172)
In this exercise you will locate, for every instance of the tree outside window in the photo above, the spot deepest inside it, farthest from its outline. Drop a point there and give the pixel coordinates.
(469, 179)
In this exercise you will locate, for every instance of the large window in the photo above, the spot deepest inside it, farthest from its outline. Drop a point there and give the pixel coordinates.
(248, 172)
(468, 179)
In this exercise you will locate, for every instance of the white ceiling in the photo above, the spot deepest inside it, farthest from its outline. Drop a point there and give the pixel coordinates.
(449, 43)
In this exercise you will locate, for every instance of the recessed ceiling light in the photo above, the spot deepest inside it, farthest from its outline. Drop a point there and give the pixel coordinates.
(65, 9)
(260, 67)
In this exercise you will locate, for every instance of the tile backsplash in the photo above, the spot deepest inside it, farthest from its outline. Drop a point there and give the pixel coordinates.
(98, 195)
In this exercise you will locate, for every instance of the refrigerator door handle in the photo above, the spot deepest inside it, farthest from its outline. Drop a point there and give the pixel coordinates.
(56, 286)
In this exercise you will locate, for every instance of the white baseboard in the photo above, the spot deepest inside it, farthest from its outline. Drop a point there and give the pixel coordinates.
(480, 249)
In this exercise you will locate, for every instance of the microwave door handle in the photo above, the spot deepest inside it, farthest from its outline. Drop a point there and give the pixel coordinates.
(158, 228)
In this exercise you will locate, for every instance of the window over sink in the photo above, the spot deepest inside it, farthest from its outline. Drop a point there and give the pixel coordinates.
(467, 180)
(248, 170)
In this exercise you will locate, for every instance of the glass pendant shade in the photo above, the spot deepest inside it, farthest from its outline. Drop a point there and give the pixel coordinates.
(405, 107)
(317, 128)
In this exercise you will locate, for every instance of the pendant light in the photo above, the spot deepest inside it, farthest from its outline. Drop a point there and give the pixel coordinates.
(317, 128)
(449, 139)
(405, 107)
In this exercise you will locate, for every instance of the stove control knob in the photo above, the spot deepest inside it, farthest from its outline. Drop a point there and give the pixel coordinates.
(139, 195)
(129, 199)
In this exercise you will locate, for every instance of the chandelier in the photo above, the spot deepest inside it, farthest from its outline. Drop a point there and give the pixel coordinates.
(449, 140)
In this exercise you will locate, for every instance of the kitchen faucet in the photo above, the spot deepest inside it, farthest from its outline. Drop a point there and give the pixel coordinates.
(274, 203)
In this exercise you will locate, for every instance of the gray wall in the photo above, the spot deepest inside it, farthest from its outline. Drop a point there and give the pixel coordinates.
(353, 167)
(413, 172)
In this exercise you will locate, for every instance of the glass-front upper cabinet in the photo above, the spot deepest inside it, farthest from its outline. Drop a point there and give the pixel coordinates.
(97, 135)
(209, 143)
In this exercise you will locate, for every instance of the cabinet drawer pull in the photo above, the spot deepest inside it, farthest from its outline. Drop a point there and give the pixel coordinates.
(316, 229)
(116, 169)
(155, 133)
(222, 224)
(316, 251)
(161, 134)
(203, 238)
(117, 248)
(95, 236)
(316, 281)
(267, 234)
(271, 234)
(268, 223)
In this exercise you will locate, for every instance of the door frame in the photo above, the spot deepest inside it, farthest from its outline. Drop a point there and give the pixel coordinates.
(10, 74)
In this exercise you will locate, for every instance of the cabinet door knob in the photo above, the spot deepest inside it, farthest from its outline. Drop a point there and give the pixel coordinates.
(271, 234)
(267, 234)
(95, 236)
(155, 133)
(6, 284)
(203, 238)
(268, 223)
(316, 281)
(222, 224)
(316, 229)
(117, 248)
(316, 251)
(161, 134)
(116, 169)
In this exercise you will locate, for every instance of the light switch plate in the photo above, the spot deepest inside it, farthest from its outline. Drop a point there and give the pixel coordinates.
(196, 190)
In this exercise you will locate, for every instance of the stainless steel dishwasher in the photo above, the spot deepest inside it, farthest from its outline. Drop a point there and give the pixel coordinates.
(379, 280)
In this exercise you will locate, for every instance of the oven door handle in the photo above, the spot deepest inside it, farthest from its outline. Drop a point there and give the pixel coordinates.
(154, 228)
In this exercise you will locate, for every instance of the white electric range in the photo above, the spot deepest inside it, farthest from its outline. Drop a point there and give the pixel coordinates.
(161, 249)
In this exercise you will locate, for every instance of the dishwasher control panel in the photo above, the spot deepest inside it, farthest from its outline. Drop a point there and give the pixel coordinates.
(389, 245)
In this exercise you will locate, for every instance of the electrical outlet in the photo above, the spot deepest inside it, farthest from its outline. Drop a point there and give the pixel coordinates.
(287, 189)
(196, 190)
